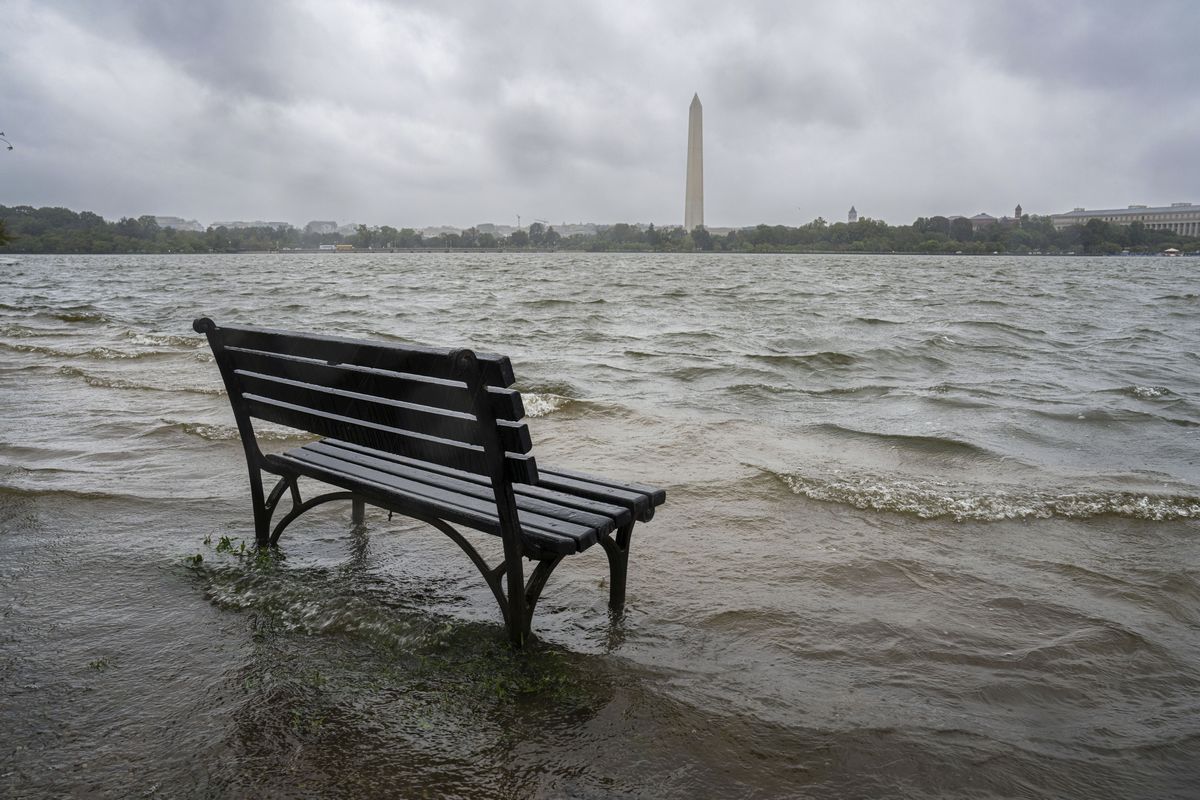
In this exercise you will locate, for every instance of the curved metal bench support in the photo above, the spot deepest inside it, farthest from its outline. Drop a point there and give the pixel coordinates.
(494, 576)
(617, 551)
(298, 509)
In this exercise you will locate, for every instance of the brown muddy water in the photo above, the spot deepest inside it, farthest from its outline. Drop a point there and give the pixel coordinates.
(932, 530)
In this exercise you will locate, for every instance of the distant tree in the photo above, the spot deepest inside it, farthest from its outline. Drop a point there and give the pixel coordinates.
(702, 238)
(653, 237)
(487, 240)
(1137, 233)
(519, 239)
(363, 237)
(552, 237)
(1095, 234)
(410, 238)
(5, 237)
(961, 230)
(932, 225)
(387, 236)
(537, 232)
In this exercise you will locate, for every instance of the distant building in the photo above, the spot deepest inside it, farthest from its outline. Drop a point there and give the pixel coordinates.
(852, 216)
(179, 223)
(258, 223)
(438, 230)
(573, 228)
(1182, 218)
(321, 226)
(981, 221)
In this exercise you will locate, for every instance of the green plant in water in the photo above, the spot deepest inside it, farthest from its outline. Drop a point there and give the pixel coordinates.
(305, 723)
(194, 560)
(100, 664)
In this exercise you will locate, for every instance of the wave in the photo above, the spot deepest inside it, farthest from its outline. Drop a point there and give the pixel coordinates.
(810, 360)
(73, 494)
(116, 383)
(877, 321)
(940, 445)
(226, 433)
(557, 302)
(1103, 417)
(79, 314)
(544, 404)
(97, 353)
(753, 390)
(1142, 392)
(1004, 327)
(928, 499)
(164, 340)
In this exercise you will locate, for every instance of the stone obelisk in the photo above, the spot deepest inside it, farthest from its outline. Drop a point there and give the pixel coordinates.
(693, 203)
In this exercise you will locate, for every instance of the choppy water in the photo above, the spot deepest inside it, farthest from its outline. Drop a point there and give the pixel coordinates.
(933, 529)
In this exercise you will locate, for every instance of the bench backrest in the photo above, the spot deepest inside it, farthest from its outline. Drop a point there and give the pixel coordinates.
(451, 408)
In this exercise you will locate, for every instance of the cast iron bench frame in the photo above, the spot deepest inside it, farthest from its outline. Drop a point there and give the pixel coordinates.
(434, 434)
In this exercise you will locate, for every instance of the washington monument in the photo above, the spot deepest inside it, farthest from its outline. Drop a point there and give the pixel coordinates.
(693, 203)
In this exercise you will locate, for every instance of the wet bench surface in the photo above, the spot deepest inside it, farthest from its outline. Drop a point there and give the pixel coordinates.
(434, 434)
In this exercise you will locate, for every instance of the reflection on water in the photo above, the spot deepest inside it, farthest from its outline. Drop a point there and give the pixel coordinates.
(932, 532)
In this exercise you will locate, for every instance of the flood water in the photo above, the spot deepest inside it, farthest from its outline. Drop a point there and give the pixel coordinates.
(932, 530)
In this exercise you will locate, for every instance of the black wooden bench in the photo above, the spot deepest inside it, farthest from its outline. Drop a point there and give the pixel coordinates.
(432, 434)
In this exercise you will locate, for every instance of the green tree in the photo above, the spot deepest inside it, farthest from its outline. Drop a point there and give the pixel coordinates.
(5, 238)
(363, 237)
(1095, 234)
(537, 232)
(387, 236)
(961, 230)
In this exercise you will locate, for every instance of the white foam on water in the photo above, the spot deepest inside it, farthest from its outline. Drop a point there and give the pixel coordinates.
(936, 499)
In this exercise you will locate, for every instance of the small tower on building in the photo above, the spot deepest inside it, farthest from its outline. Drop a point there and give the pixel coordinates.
(852, 216)
(1017, 214)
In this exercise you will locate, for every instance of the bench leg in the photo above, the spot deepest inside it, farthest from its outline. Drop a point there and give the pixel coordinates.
(533, 589)
(617, 551)
(358, 511)
(262, 512)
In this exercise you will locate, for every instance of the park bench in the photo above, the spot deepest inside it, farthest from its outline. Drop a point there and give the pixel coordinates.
(436, 435)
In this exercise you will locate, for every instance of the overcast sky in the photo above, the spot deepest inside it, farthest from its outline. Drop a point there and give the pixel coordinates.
(421, 113)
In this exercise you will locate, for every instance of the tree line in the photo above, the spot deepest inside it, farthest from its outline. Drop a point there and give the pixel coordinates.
(24, 229)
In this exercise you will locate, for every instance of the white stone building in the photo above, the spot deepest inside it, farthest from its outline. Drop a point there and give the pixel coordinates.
(1183, 218)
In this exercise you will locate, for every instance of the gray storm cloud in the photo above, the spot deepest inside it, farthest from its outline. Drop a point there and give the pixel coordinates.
(428, 113)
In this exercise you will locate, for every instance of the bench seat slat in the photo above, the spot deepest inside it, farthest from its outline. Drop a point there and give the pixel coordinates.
(418, 389)
(639, 500)
(384, 496)
(557, 535)
(481, 488)
(497, 370)
(620, 514)
(657, 496)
